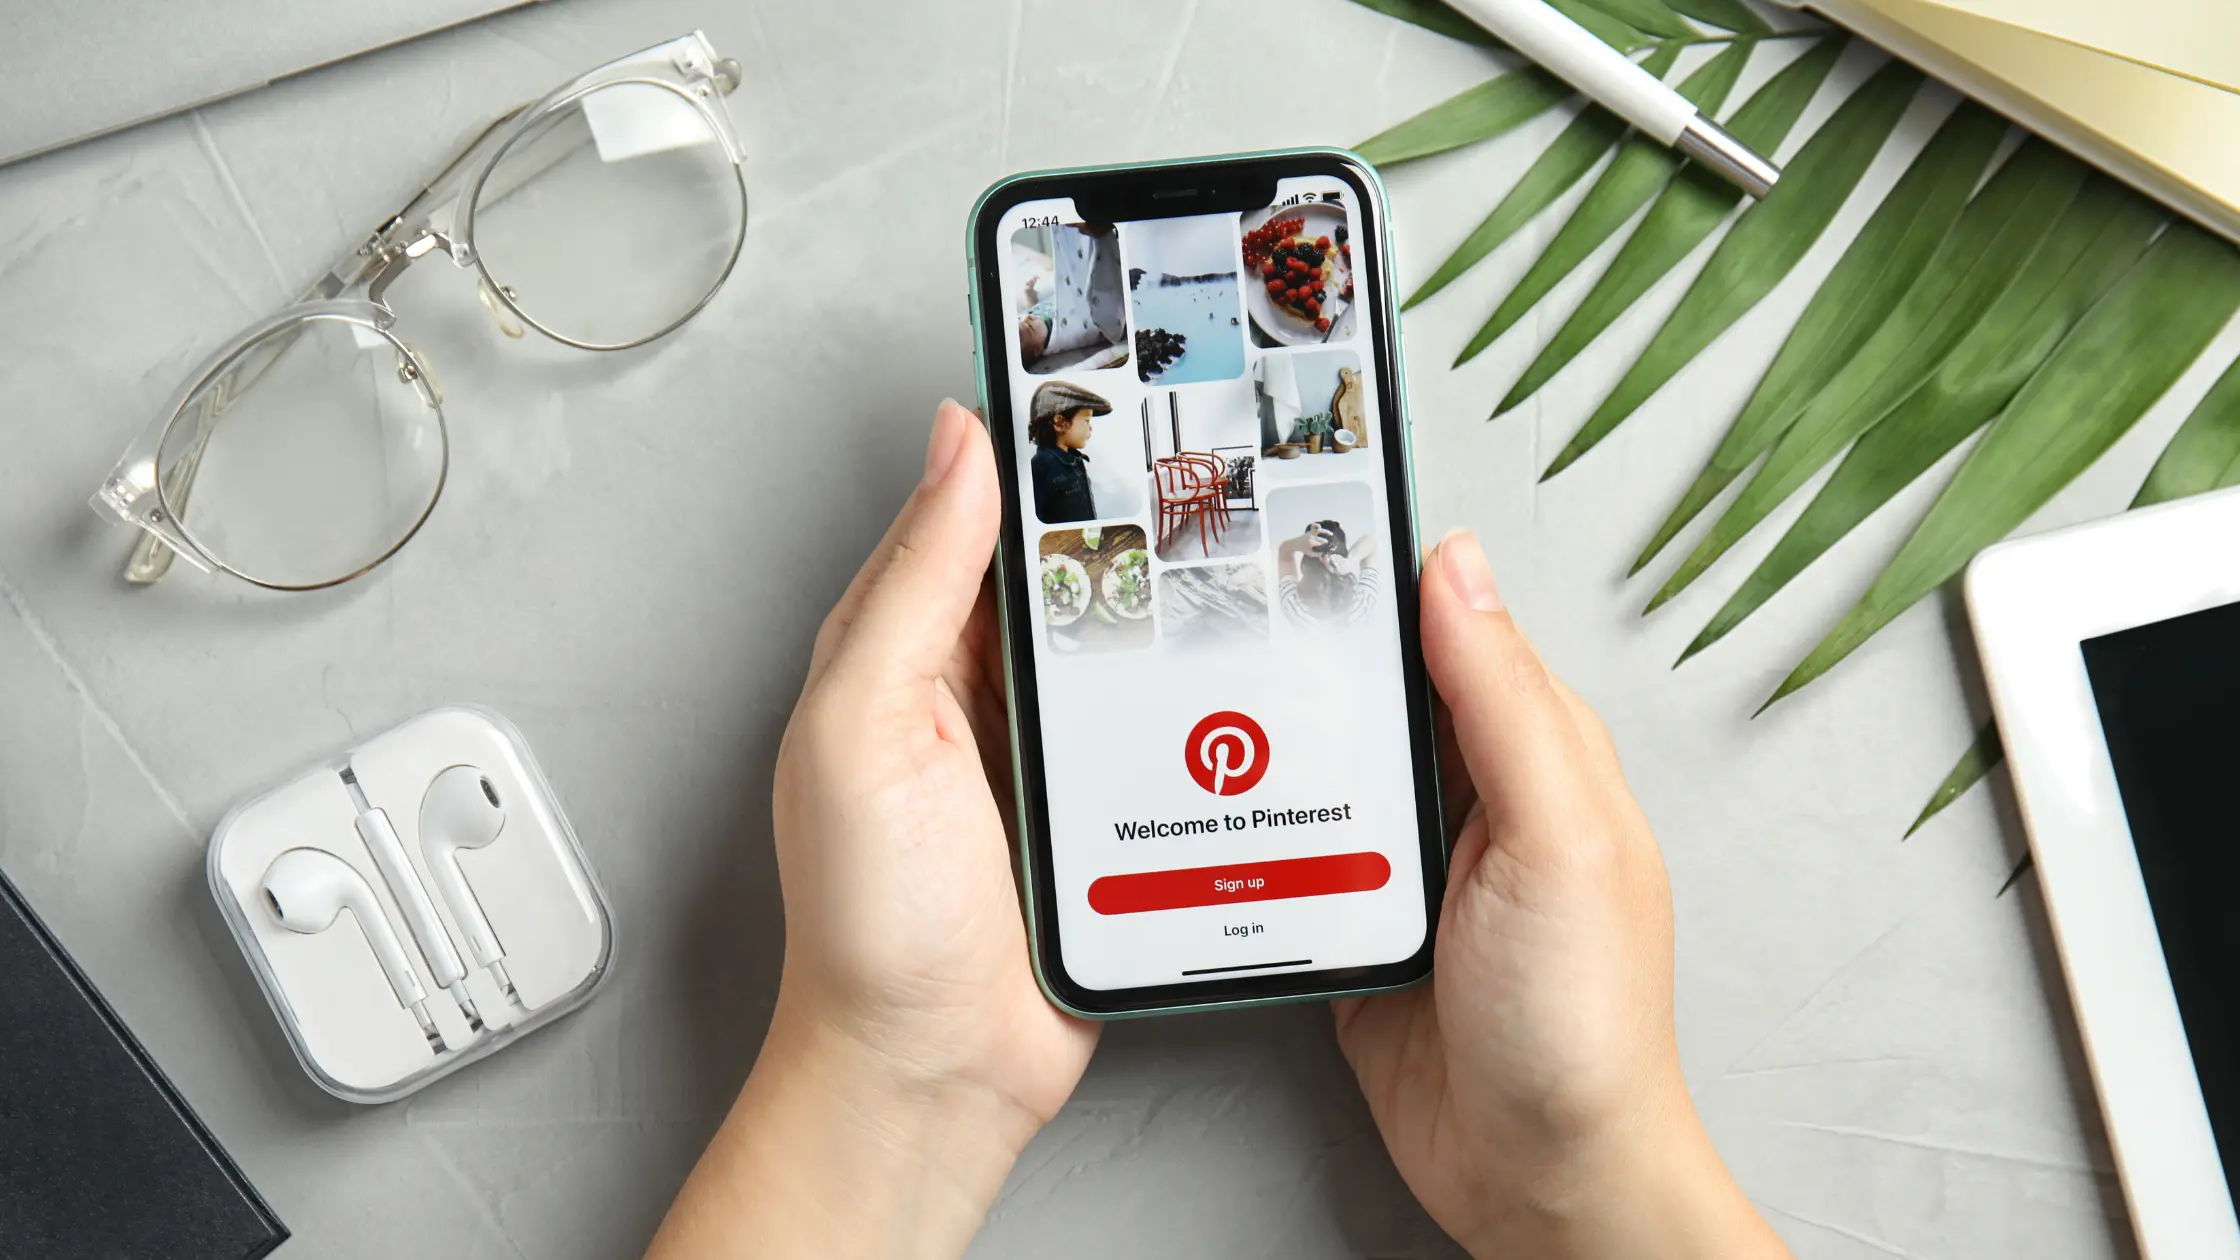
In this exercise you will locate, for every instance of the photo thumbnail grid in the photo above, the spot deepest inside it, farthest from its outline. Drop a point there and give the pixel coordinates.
(1224, 336)
(1181, 298)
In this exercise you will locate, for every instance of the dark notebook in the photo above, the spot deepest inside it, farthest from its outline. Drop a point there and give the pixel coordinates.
(100, 1158)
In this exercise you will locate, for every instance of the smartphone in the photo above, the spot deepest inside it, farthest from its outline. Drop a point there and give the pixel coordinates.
(1221, 728)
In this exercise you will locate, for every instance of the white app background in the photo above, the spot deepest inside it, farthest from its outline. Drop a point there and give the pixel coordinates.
(1319, 671)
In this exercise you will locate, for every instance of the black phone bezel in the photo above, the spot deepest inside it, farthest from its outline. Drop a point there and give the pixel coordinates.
(1165, 190)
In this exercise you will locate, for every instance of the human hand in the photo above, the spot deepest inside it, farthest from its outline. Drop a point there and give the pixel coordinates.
(1531, 1094)
(903, 929)
(911, 1054)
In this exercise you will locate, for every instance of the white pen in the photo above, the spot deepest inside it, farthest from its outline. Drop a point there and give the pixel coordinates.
(1567, 51)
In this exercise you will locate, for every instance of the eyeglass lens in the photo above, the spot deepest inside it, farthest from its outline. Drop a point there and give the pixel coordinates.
(318, 449)
(613, 217)
(310, 455)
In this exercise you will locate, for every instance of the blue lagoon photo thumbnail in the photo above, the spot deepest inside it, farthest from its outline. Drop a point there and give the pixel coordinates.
(1182, 283)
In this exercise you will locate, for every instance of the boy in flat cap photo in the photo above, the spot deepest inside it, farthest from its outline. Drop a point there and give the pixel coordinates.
(1058, 425)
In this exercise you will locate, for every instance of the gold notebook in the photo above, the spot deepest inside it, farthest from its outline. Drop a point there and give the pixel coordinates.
(2146, 90)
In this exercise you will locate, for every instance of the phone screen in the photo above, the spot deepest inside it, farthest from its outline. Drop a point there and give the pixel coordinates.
(1212, 595)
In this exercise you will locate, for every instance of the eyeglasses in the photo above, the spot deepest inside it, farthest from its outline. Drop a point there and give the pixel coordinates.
(312, 446)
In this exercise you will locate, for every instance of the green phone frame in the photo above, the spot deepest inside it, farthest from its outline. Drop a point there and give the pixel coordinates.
(985, 360)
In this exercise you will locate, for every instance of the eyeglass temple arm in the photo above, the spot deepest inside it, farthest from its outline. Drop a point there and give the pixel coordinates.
(151, 556)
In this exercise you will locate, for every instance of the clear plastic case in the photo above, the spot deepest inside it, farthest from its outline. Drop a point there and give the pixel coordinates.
(542, 947)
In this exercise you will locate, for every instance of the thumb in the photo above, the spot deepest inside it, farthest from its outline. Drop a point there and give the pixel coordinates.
(904, 611)
(1515, 733)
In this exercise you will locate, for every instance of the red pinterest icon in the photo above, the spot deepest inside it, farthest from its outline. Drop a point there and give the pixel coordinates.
(1226, 753)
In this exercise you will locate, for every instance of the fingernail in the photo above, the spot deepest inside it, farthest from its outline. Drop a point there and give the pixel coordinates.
(1467, 570)
(947, 439)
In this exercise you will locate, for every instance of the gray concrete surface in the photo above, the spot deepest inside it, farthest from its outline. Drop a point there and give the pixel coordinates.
(630, 562)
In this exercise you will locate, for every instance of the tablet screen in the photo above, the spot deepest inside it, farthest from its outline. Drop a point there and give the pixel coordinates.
(2169, 700)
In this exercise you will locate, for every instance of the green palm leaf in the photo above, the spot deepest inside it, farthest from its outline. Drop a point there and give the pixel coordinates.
(2024, 867)
(1932, 326)
(1691, 206)
(2205, 453)
(1642, 169)
(1975, 763)
(1434, 16)
(1997, 234)
(2118, 360)
(1727, 15)
(1651, 17)
(1762, 247)
(1431, 15)
(1859, 292)
(1494, 107)
(2097, 240)
(1602, 26)
(1563, 164)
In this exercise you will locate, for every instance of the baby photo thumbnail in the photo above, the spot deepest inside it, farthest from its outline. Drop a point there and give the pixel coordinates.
(1068, 306)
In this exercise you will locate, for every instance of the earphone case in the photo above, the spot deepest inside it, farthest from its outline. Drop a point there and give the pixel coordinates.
(333, 1001)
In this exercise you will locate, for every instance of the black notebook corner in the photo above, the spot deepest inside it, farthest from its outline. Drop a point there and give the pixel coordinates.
(100, 1157)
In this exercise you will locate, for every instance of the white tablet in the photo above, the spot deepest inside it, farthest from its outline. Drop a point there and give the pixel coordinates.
(2113, 656)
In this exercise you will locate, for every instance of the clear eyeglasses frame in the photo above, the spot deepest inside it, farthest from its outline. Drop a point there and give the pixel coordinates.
(318, 434)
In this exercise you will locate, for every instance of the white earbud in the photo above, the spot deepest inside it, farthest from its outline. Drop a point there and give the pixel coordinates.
(308, 889)
(462, 811)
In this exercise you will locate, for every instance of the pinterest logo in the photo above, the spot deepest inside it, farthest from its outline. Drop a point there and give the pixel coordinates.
(1226, 753)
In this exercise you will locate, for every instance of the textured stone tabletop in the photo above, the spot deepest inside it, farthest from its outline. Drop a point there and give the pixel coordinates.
(633, 554)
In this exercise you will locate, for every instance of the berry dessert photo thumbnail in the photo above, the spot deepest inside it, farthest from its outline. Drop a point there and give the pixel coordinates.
(1298, 262)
